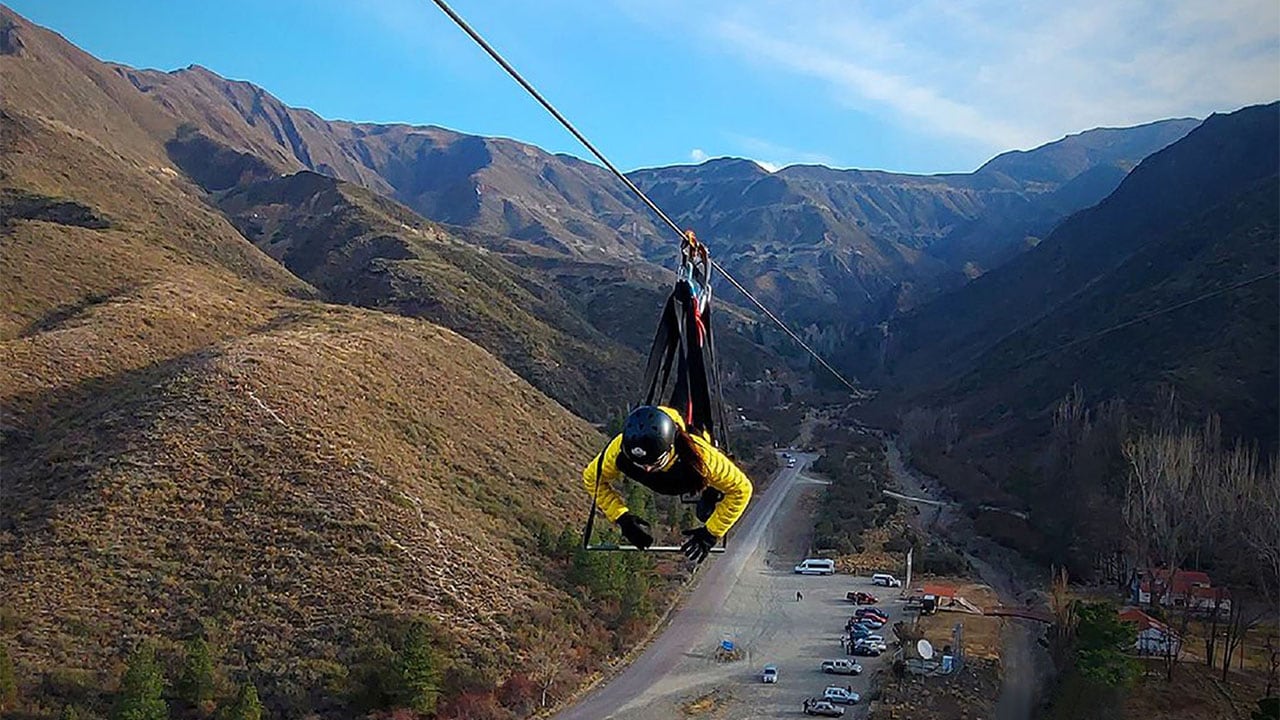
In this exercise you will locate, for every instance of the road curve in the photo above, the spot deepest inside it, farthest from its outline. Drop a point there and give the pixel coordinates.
(686, 623)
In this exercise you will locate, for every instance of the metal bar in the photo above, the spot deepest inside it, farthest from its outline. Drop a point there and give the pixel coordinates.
(652, 548)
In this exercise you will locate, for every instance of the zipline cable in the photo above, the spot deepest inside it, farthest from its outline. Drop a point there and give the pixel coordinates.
(515, 75)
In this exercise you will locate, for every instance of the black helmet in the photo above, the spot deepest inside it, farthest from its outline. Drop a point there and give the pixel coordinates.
(648, 435)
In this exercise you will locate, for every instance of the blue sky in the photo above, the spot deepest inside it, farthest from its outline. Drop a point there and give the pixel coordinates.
(927, 86)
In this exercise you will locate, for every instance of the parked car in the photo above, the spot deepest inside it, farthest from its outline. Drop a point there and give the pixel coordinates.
(863, 650)
(814, 706)
(816, 566)
(769, 674)
(841, 695)
(841, 666)
(858, 629)
(871, 621)
(886, 580)
(791, 463)
(870, 611)
(857, 597)
(877, 641)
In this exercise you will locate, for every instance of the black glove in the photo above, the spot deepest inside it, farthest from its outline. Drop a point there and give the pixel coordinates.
(635, 530)
(699, 544)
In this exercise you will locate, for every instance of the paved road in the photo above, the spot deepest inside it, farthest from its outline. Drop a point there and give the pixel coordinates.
(747, 595)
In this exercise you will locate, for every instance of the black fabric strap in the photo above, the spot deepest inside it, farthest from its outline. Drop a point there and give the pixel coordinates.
(595, 498)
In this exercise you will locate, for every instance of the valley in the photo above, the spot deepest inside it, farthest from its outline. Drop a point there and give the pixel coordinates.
(294, 411)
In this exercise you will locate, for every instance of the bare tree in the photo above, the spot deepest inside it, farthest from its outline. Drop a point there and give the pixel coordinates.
(548, 651)
(1169, 508)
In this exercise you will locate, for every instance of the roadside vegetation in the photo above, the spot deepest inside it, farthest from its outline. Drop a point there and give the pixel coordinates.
(1150, 512)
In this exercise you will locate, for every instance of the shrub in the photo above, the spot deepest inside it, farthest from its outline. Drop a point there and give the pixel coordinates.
(142, 689)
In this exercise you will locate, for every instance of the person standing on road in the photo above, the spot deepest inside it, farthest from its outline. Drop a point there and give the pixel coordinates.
(799, 597)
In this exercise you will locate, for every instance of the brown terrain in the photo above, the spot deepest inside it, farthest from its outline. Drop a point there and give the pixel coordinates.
(194, 443)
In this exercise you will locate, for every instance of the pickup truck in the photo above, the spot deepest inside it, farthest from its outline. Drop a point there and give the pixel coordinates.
(841, 666)
(814, 706)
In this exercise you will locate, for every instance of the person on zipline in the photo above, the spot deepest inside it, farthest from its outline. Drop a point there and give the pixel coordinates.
(656, 450)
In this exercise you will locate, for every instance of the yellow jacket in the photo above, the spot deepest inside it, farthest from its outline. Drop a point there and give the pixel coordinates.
(721, 474)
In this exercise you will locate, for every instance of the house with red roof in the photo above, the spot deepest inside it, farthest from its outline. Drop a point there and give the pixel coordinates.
(1154, 637)
(1182, 588)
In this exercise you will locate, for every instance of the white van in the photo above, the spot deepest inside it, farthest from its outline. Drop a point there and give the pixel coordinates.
(816, 566)
(886, 580)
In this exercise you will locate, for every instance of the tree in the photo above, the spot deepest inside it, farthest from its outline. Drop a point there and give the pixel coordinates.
(142, 689)
(246, 706)
(548, 645)
(8, 681)
(196, 684)
(1102, 643)
(69, 712)
(418, 669)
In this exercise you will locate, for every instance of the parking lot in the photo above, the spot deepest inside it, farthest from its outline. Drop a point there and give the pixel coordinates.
(800, 637)
(760, 612)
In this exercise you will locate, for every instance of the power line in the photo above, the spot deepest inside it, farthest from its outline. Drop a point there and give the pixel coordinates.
(515, 75)
(1144, 317)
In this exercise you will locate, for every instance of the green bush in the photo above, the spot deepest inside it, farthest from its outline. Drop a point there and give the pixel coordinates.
(141, 695)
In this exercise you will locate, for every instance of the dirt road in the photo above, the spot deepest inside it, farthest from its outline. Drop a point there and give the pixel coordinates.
(1022, 659)
(749, 596)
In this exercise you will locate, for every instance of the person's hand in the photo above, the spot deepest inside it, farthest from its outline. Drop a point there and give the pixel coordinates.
(699, 544)
(635, 530)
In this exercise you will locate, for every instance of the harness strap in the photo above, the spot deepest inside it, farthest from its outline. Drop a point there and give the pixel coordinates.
(595, 498)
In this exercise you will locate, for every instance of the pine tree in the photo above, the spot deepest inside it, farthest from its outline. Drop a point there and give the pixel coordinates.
(636, 604)
(196, 685)
(141, 690)
(8, 681)
(69, 712)
(246, 706)
(418, 670)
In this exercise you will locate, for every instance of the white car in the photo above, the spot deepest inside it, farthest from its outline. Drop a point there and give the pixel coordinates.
(876, 641)
(885, 580)
(841, 666)
(841, 695)
(770, 674)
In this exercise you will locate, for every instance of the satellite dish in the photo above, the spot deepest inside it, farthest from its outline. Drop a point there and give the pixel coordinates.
(925, 649)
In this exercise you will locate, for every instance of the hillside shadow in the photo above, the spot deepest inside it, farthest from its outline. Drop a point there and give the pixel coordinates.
(55, 443)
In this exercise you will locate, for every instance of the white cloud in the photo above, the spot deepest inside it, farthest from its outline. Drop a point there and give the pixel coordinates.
(1007, 76)
(697, 155)
(780, 155)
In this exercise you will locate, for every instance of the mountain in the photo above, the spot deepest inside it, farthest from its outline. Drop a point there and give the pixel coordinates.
(868, 243)
(819, 243)
(499, 187)
(359, 248)
(1170, 282)
(194, 442)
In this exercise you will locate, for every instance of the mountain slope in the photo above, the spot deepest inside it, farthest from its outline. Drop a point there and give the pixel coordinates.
(1224, 157)
(361, 249)
(193, 444)
(1169, 283)
(818, 242)
(881, 241)
(497, 186)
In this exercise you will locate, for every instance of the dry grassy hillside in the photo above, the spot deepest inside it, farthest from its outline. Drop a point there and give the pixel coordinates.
(281, 485)
(191, 444)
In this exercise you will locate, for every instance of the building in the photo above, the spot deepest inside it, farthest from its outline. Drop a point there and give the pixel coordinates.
(1185, 588)
(1154, 637)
